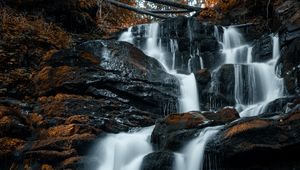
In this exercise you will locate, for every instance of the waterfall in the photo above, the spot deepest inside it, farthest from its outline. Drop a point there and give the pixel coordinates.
(256, 84)
(192, 156)
(127, 36)
(124, 151)
(189, 100)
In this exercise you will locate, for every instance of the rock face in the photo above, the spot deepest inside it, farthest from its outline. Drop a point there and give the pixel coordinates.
(220, 91)
(262, 49)
(95, 87)
(288, 15)
(172, 132)
(248, 143)
(110, 69)
(158, 160)
(291, 66)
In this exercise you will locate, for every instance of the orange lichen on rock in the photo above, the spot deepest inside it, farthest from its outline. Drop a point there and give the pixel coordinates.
(188, 120)
(87, 56)
(244, 126)
(10, 144)
(63, 130)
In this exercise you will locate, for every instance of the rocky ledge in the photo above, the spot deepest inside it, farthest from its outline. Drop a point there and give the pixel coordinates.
(79, 94)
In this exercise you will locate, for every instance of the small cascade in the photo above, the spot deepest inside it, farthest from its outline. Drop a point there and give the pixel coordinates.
(173, 48)
(127, 36)
(256, 84)
(189, 100)
(201, 62)
(192, 156)
(272, 86)
(231, 38)
(124, 151)
(216, 33)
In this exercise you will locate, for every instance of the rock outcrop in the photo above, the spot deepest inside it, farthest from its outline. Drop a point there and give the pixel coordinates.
(81, 93)
(250, 142)
(175, 130)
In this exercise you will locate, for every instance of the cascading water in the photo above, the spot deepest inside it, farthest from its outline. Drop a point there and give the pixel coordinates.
(189, 100)
(192, 156)
(124, 151)
(256, 84)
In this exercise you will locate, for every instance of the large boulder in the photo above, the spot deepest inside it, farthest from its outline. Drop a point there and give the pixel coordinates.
(220, 91)
(172, 132)
(110, 69)
(158, 160)
(257, 142)
(176, 129)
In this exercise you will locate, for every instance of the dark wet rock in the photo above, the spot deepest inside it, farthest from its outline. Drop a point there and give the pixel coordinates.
(203, 76)
(290, 68)
(281, 105)
(16, 83)
(262, 49)
(226, 82)
(116, 70)
(92, 114)
(223, 116)
(13, 123)
(175, 130)
(158, 160)
(249, 142)
(50, 156)
(9, 148)
(288, 14)
(220, 92)
(76, 163)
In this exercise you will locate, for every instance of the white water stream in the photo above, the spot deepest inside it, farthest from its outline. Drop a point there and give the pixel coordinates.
(189, 100)
(125, 151)
(192, 155)
(256, 84)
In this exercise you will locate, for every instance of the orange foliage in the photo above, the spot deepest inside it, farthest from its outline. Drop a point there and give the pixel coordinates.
(15, 26)
(211, 3)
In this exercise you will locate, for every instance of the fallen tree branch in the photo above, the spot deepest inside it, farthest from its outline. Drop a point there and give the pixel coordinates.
(177, 5)
(170, 11)
(241, 25)
(137, 10)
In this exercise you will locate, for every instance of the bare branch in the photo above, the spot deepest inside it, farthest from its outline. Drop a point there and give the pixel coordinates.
(137, 10)
(242, 25)
(170, 11)
(177, 5)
